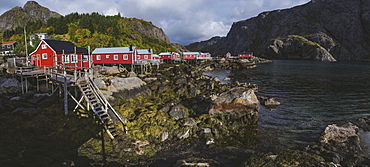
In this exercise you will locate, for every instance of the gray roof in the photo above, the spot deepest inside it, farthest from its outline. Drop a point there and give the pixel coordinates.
(191, 53)
(113, 50)
(144, 51)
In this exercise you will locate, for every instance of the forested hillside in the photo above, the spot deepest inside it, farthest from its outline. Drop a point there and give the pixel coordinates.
(94, 30)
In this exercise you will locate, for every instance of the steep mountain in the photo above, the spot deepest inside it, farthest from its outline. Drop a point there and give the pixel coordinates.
(18, 16)
(325, 30)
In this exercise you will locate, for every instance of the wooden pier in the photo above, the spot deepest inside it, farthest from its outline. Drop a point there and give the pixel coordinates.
(89, 95)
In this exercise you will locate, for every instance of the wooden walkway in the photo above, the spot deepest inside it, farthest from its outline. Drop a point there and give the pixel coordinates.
(96, 102)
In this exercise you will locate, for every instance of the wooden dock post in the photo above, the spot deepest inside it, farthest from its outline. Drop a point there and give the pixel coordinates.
(65, 95)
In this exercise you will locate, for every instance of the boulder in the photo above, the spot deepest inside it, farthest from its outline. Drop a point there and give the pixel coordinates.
(238, 95)
(178, 111)
(110, 70)
(121, 88)
(269, 101)
(363, 123)
(345, 138)
(12, 85)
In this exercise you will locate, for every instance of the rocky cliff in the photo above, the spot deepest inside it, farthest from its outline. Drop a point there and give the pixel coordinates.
(18, 16)
(323, 30)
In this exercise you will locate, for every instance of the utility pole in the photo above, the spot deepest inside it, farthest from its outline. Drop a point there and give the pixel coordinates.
(25, 43)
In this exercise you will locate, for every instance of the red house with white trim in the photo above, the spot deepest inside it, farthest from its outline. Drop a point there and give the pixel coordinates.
(190, 55)
(204, 56)
(144, 55)
(114, 55)
(64, 54)
(169, 56)
(245, 55)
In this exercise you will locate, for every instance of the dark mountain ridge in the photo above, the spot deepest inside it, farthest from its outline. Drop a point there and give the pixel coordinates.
(325, 30)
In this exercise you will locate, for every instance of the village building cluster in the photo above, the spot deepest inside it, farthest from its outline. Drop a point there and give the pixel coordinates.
(54, 53)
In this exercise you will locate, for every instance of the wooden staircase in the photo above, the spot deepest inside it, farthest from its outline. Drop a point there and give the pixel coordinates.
(101, 107)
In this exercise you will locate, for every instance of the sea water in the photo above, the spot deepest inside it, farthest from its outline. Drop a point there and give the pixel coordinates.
(312, 94)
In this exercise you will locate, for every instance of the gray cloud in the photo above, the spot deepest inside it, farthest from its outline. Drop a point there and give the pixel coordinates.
(184, 21)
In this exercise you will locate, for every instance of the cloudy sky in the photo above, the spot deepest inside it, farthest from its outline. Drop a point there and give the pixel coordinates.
(184, 21)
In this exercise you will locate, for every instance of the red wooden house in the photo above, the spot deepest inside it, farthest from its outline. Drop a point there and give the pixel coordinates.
(204, 56)
(190, 55)
(245, 55)
(169, 56)
(114, 55)
(63, 54)
(144, 55)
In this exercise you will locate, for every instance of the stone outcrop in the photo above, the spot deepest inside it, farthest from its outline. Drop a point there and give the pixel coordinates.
(116, 89)
(324, 30)
(346, 137)
(237, 99)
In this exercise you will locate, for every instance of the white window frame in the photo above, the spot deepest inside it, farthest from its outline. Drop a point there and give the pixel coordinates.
(65, 58)
(138, 57)
(44, 56)
(43, 46)
(145, 56)
(84, 58)
(125, 57)
(115, 57)
(73, 58)
(107, 56)
(98, 57)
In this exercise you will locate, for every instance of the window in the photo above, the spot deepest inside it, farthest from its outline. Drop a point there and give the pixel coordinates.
(44, 56)
(9, 46)
(43, 46)
(125, 57)
(145, 56)
(65, 58)
(73, 58)
(115, 57)
(138, 57)
(107, 56)
(97, 57)
(84, 58)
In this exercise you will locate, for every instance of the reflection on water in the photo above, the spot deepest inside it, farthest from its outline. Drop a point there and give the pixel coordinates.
(312, 95)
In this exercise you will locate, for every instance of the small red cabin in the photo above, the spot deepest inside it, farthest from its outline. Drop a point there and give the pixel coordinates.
(169, 56)
(204, 56)
(144, 55)
(190, 55)
(65, 54)
(114, 55)
(245, 55)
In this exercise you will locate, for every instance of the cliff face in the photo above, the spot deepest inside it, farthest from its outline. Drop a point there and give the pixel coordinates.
(324, 30)
(18, 16)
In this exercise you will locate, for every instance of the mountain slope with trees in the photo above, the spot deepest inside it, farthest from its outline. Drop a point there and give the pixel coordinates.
(91, 30)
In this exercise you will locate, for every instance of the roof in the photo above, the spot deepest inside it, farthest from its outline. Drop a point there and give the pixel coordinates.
(165, 53)
(113, 50)
(144, 51)
(9, 43)
(168, 53)
(64, 46)
(191, 53)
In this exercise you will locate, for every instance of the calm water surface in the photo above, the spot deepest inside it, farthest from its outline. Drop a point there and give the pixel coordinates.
(312, 95)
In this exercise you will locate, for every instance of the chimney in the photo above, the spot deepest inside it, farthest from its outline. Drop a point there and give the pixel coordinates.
(131, 48)
(149, 50)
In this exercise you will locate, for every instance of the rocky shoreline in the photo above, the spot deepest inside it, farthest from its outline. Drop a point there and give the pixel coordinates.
(178, 117)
